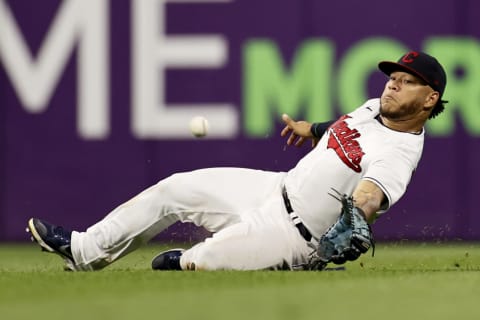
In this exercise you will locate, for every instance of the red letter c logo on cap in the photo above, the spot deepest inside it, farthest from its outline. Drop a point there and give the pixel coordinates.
(409, 57)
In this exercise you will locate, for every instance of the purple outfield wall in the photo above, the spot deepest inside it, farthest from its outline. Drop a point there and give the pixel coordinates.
(95, 97)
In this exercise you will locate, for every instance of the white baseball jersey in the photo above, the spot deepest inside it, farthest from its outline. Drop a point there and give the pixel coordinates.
(244, 208)
(357, 146)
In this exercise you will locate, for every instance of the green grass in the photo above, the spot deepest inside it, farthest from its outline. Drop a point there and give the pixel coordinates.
(414, 281)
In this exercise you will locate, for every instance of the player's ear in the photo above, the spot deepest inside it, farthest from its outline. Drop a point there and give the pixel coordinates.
(431, 100)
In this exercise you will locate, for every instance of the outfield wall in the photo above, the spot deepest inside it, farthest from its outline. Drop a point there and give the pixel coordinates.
(95, 98)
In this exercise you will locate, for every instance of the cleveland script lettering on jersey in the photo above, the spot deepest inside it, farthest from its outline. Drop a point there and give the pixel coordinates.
(342, 139)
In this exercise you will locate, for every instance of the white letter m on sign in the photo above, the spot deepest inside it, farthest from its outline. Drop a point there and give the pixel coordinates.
(34, 78)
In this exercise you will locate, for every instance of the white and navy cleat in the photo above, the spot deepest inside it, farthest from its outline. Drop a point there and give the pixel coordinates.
(168, 260)
(52, 238)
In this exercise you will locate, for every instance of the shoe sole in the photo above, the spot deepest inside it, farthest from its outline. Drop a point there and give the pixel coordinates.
(69, 265)
(36, 237)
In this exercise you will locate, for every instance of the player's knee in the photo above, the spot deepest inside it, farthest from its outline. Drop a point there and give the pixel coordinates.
(171, 187)
(169, 183)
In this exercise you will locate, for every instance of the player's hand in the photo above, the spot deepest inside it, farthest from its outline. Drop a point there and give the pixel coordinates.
(348, 238)
(299, 131)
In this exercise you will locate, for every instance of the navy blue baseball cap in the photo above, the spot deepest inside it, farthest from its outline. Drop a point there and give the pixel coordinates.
(421, 65)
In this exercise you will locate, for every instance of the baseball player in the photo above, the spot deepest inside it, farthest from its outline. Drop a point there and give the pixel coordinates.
(316, 213)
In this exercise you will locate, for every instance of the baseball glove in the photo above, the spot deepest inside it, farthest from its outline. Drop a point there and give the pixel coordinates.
(347, 238)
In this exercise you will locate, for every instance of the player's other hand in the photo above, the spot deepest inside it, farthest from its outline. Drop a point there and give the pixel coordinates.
(299, 131)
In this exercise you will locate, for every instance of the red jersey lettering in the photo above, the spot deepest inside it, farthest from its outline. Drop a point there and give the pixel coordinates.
(342, 139)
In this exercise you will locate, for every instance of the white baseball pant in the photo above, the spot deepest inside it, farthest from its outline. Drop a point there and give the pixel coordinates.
(243, 208)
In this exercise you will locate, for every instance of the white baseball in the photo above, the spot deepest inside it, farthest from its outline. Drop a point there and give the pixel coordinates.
(199, 126)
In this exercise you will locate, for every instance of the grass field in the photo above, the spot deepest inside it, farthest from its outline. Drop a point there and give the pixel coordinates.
(413, 281)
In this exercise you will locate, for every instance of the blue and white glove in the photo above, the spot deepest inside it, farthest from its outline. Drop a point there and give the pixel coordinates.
(347, 238)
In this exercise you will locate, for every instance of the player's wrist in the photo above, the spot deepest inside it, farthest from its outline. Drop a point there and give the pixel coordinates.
(317, 129)
(313, 130)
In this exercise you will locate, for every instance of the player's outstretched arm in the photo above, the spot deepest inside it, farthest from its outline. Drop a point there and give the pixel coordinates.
(299, 131)
(302, 130)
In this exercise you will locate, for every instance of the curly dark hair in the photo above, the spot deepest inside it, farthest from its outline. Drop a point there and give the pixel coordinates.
(439, 107)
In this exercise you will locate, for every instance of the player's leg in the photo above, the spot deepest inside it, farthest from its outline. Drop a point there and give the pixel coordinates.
(265, 239)
(209, 198)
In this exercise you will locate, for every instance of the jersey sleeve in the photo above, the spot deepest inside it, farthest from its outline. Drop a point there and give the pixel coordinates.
(392, 174)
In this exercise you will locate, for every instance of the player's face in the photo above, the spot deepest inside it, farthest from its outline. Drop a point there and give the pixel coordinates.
(405, 96)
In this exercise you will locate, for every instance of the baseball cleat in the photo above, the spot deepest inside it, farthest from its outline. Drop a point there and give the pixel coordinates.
(51, 238)
(168, 260)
